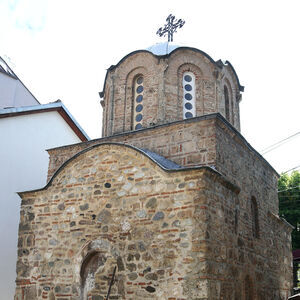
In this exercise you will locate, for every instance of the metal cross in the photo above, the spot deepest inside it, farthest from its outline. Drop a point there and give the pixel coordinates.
(170, 27)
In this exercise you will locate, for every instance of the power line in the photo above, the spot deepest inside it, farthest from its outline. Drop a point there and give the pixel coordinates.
(278, 144)
(295, 168)
(281, 197)
(286, 203)
(294, 187)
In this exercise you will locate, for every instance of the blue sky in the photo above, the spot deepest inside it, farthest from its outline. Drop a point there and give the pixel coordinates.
(24, 14)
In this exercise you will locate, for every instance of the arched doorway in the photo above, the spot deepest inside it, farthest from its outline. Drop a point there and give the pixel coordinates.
(89, 267)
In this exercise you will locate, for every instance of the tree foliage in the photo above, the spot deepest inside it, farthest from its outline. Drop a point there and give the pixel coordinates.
(289, 203)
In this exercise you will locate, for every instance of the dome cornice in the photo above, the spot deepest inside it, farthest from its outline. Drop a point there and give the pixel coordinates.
(219, 64)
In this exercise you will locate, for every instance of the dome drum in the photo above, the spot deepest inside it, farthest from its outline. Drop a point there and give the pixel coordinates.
(164, 95)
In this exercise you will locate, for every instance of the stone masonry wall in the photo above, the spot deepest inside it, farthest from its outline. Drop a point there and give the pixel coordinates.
(171, 235)
(187, 143)
(246, 169)
(163, 89)
(239, 265)
(207, 140)
(238, 162)
(112, 206)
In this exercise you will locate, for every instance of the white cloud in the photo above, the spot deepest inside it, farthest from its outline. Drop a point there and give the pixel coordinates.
(29, 14)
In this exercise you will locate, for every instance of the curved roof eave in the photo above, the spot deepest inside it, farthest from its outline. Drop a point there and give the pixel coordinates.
(163, 163)
(218, 63)
(241, 87)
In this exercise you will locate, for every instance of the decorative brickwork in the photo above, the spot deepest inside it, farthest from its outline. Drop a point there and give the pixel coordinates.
(187, 143)
(163, 89)
(163, 230)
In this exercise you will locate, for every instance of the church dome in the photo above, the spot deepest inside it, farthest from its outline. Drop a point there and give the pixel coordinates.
(167, 82)
(163, 48)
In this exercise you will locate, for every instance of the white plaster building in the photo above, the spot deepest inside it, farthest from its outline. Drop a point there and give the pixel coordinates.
(27, 129)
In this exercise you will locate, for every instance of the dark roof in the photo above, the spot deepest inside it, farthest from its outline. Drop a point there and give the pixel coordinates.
(160, 160)
(218, 63)
(211, 116)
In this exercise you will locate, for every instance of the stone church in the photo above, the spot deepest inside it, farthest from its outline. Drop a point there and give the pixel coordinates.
(171, 203)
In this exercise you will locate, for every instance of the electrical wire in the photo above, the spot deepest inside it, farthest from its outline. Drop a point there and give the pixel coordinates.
(294, 187)
(290, 197)
(278, 144)
(286, 203)
(295, 168)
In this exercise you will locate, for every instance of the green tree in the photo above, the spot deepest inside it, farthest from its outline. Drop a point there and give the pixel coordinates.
(289, 203)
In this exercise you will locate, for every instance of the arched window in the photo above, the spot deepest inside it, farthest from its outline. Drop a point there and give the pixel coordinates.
(188, 83)
(138, 95)
(226, 97)
(232, 111)
(236, 220)
(254, 215)
(87, 273)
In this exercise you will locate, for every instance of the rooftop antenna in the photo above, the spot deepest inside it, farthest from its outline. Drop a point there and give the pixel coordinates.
(170, 27)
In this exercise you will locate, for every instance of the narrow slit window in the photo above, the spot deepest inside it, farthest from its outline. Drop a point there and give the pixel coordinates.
(188, 83)
(226, 96)
(249, 295)
(254, 213)
(232, 111)
(138, 102)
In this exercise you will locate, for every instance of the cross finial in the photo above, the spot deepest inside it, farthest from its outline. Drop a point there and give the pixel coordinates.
(170, 27)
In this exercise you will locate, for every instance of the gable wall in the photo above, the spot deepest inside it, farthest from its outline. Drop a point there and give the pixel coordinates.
(148, 223)
(171, 235)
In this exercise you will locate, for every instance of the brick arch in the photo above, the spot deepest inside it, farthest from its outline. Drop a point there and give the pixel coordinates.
(188, 60)
(99, 273)
(92, 262)
(117, 97)
(229, 79)
(110, 146)
(196, 59)
(97, 260)
(189, 67)
(139, 63)
(90, 248)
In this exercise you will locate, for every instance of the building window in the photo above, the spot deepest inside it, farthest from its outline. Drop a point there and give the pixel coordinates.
(236, 220)
(232, 111)
(249, 294)
(188, 83)
(138, 102)
(254, 214)
(226, 97)
(89, 268)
